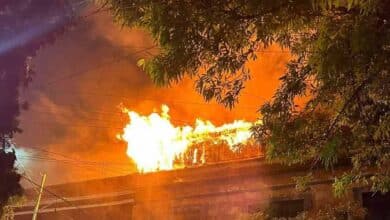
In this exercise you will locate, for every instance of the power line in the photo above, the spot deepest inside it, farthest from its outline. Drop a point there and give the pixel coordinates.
(113, 166)
(73, 125)
(120, 118)
(21, 166)
(54, 194)
(79, 73)
(97, 168)
(145, 98)
(73, 160)
(87, 113)
(51, 152)
(55, 123)
(119, 58)
(99, 202)
(83, 122)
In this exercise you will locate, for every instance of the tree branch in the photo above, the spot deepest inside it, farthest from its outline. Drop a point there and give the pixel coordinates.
(346, 104)
(343, 109)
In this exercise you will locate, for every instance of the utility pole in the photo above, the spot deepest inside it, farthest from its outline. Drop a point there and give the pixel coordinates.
(36, 209)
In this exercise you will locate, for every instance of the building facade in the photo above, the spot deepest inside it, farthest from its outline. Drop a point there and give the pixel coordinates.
(229, 190)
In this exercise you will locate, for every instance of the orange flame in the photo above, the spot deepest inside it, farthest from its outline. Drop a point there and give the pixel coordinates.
(154, 143)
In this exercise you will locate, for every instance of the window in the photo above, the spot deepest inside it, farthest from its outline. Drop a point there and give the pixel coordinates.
(377, 205)
(187, 213)
(286, 208)
(341, 216)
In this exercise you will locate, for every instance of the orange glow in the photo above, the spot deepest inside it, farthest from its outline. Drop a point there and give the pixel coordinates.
(154, 143)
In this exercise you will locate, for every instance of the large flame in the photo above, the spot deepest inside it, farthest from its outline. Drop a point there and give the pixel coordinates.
(154, 143)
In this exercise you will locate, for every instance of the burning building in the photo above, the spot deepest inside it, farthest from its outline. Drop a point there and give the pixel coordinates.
(199, 172)
(228, 190)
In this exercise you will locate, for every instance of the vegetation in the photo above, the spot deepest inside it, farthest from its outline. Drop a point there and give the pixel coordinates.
(340, 66)
(9, 179)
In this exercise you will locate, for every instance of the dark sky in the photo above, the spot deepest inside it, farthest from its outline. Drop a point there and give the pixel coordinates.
(82, 79)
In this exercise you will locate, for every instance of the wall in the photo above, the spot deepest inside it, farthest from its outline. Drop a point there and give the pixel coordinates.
(219, 191)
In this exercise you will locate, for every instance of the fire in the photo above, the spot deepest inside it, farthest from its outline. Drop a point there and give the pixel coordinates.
(154, 143)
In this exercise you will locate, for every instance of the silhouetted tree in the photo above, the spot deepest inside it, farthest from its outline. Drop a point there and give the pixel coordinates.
(9, 178)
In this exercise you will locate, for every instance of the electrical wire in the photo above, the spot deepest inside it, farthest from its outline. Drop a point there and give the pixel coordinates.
(106, 169)
(79, 73)
(22, 167)
(113, 166)
(54, 194)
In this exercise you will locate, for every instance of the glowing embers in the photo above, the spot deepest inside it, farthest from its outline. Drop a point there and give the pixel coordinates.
(154, 143)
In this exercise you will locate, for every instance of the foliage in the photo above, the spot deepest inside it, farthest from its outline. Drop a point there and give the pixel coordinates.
(340, 185)
(302, 182)
(340, 210)
(8, 210)
(340, 66)
(9, 178)
(254, 216)
(7, 213)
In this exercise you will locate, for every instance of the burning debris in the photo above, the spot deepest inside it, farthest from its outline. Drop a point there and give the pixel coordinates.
(154, 143)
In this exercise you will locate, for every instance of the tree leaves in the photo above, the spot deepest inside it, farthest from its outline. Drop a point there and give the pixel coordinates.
(329, 153)
(341, 184)
(340, 66)
(364, 6)
(141, 63)
(302, 182)
(9, 181)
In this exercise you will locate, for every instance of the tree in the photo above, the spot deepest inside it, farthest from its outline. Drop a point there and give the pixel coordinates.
(340, 65)
(10, 179)
(25, 26)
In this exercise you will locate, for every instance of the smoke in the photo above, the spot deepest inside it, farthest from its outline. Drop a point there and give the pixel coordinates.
(74, 117)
